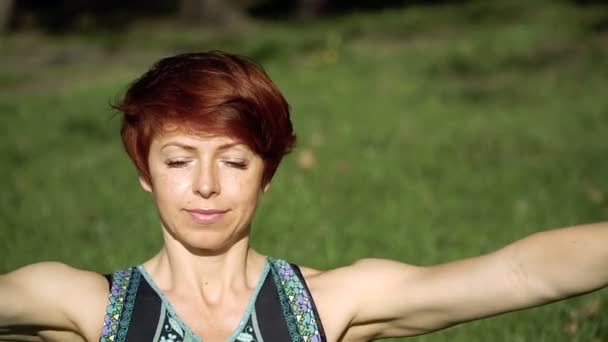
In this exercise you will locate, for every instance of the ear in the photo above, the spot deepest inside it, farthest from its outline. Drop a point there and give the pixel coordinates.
(266, 187)
(145, 184)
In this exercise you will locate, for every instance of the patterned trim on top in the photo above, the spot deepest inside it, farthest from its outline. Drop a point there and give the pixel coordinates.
(290, 319)
(125, 319)
(118, 292)
(299, 302)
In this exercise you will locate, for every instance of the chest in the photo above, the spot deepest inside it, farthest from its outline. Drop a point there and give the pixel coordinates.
(280, 309)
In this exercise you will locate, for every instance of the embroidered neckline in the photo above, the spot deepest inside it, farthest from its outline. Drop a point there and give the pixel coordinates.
(183, 325)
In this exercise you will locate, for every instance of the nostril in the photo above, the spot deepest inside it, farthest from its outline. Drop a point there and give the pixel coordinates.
(207, 184)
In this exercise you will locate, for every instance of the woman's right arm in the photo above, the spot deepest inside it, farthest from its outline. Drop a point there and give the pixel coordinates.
(49, 296)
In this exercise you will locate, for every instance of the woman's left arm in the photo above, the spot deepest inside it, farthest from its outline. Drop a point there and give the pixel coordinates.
(562, 263)
(396, 299)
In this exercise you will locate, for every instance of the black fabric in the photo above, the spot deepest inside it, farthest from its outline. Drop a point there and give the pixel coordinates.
(146, 314)
(109, 278)
(270, 314)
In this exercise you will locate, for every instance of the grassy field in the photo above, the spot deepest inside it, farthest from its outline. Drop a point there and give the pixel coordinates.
(425, 134)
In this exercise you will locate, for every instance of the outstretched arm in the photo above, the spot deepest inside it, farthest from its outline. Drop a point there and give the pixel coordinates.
(49, 296)
(395, 299)
(27, 296)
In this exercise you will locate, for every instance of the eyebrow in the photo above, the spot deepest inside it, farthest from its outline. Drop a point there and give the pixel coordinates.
(192, 148)
(180, 145)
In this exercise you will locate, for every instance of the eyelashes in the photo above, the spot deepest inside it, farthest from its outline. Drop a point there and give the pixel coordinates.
(241, 165)
(172, 164)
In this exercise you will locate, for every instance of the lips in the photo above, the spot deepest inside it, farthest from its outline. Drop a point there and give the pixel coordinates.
(206, 216)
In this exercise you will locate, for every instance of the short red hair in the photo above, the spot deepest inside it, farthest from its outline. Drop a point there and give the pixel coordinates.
(213, 93)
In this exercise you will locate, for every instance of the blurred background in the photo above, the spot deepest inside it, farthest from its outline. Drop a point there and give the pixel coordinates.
(428, 131)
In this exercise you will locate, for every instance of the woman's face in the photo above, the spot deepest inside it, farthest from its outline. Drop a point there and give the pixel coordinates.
(206, 189)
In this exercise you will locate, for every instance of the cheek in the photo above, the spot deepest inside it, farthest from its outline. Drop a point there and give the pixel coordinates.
(243, 189)
(169, 186)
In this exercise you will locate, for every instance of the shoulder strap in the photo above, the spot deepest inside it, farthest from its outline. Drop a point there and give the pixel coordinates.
(123, 288)
(294, 293)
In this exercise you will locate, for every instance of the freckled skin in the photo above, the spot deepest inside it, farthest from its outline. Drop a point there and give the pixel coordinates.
(193, 172)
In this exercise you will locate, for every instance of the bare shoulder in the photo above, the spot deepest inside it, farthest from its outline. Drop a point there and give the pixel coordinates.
(340, 293)
(308, 272)
(47, 269)
(54, 279)
(359, 273)
(53, 294)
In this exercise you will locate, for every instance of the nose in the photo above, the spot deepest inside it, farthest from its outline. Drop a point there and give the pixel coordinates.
(206, 183)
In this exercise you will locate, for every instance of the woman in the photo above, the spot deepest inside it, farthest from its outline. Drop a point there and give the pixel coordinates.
(206, 133)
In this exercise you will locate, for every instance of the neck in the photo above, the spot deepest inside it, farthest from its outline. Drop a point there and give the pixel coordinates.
(177, 269)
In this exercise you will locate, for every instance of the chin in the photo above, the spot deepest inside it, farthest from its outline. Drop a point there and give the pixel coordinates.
(208, 242)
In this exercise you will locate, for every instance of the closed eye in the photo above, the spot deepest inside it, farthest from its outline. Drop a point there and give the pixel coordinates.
(242, 165)
(176, 163)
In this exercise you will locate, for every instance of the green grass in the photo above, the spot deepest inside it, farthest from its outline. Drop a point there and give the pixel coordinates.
(439, 133)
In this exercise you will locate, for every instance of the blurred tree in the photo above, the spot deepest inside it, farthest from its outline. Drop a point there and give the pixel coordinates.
(307, 9)
(211, 12)
(59, 16)
(312, 9)
(6, 14)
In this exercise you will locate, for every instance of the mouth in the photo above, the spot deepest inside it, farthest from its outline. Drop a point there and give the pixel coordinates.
(206, 216)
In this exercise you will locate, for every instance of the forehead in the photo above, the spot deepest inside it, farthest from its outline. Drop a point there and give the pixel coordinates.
(196, 141)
